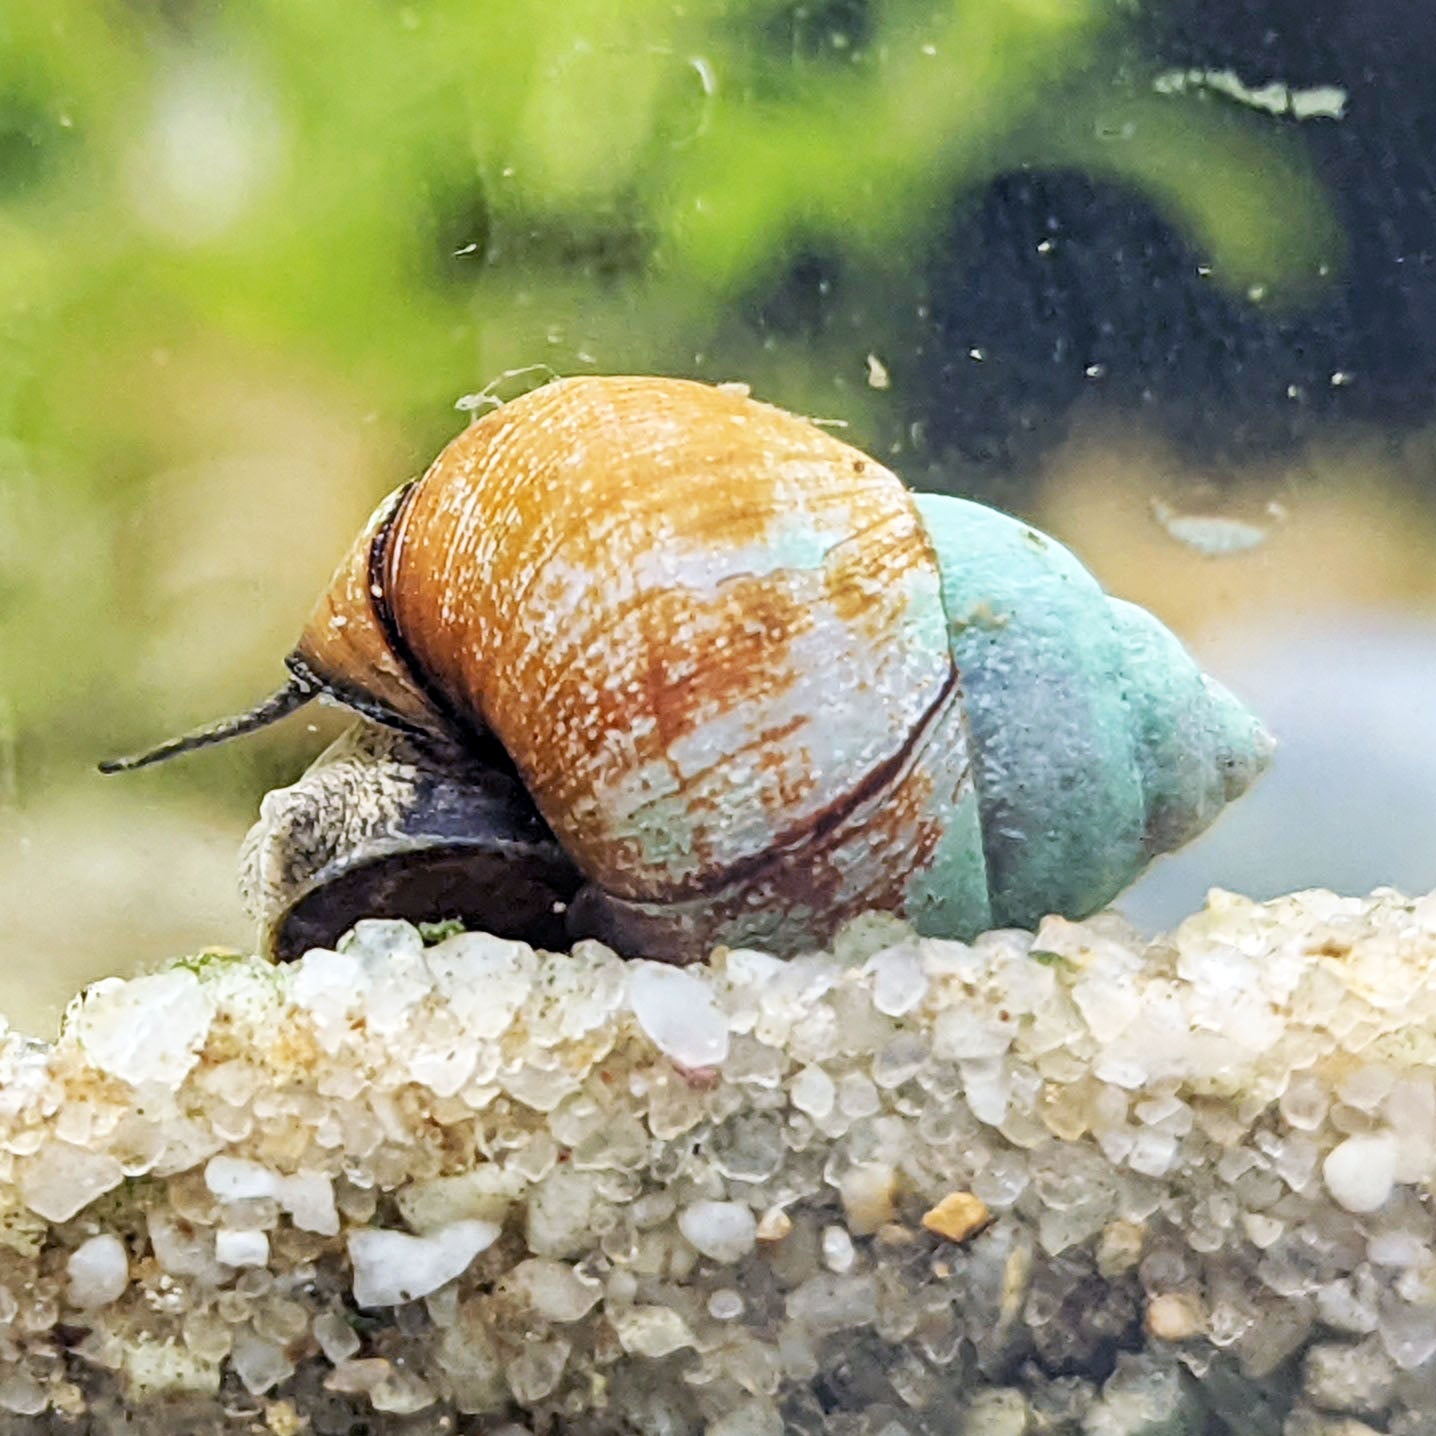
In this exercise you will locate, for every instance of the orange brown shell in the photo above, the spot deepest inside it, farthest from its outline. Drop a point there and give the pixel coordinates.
(704, 630)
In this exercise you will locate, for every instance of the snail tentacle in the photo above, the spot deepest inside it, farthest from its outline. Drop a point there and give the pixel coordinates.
(298, 691)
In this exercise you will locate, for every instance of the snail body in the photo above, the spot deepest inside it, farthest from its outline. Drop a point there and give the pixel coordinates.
(745, 684)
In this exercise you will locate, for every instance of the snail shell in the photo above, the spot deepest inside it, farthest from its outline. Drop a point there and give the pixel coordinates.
(751, 685)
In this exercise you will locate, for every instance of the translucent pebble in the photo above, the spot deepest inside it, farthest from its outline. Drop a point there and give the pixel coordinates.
(1397, 1249)
(999, 1411)
(401, 1392)
(146, 1029)
(812, 1091)
(392, 1267)
(207, 1335)
(987, 1086)
(722, 1231)
(237, 1247)
(1143, 1397)
(540, 1087)
(485, 980)
(358, 1378)
(868, 1191)
(837, 1249)
(98, 1272)
(899, 979)
(942, 957)
(774, 1225)
(560, 1213)
(1408, 1332)
(486, 1192)
(235, 1179)
(677, 1012)
(283, 1320)
(1410, 1112)
(1262, 1231)
(1338, 1377)
(537, 1369)
(1304, 1105)
(651, 1330)
(867, 934)
(61, 1180)
(857, 1095)
(830, 1302)
(380, 940)
(755, 1063)
(899, 1060)
(1366, 1088)
(21, 1393)
(725, 1304)
(1109, 1005)
(1175, 1316)
(1152, 1153)
(1294, 1160)
(749, 1147)
(755, 1417)
(182, 1250)
(1120, 1247)
(1361, 1171)
(260, 1365)
(970, 1031)
(1057, 1231)
(1002, 1180)
(1350, 1304)
(328, 985)
(308, 1197)
(337, 1339)
(813, 1036)
(554, 1289)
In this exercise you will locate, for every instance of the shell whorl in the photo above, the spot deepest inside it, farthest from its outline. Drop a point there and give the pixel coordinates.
(1098, 741)
(704, 630)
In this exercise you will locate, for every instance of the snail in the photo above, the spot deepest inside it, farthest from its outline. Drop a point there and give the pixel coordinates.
(648, 660)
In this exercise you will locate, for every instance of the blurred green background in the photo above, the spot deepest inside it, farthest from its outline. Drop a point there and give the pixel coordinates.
(252, 256)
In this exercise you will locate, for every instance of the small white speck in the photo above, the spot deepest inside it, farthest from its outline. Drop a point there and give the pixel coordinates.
(1095, 371)
(878, 376)
(1045, 246)
(1342, 377)
(976, 355)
